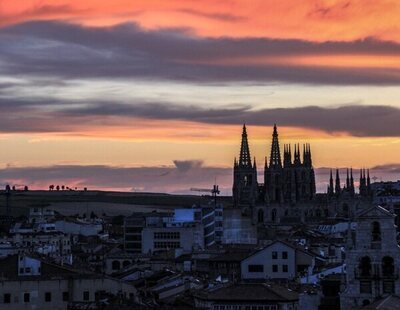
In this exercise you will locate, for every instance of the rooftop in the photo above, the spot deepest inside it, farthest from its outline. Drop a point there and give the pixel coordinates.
(250, 292)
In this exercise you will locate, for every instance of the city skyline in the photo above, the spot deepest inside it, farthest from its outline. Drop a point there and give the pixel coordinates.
(160, 89)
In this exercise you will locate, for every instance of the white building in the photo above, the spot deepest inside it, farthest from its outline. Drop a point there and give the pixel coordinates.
(29, 283)
(278, 260)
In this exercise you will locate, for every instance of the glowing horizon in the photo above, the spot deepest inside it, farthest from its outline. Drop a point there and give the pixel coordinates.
(146, 83)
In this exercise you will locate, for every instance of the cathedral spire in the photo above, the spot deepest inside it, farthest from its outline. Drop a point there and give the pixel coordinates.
(330, 187)
(337, 185)
(307, 158)
(244, 158)
(363, 185)
(351, 181)
(287, 158)
(297, 160)
(347, 179)
(275, 158)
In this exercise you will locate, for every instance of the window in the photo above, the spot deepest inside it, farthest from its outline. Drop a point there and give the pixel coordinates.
(7, 298)
(27, 297)
(260, 216)
(284, 255)
(285, 268)
(167, 245)
(274, 268)
(273, 215)
(388, 287)
(256, 268)
(21, 270)
(387, 266)
(167, 235)
(65, 296)
(116, 265)
(365, 266)
(376, 231)
(86, 295)
(274, 255)
(47, 297)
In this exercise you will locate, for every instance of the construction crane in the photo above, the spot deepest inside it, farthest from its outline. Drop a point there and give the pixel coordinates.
(214, 191)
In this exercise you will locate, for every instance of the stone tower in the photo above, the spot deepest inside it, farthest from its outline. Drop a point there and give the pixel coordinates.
(292, 182)
(372, 259)
(245, 186)
(273, 174)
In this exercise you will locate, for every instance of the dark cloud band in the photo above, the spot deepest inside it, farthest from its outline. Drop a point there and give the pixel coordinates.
(48, 115)
(73, 51)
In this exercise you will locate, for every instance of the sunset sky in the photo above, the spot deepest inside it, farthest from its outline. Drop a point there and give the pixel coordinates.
(150, 95)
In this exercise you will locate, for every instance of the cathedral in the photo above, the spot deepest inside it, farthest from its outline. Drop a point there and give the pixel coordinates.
(289, 190)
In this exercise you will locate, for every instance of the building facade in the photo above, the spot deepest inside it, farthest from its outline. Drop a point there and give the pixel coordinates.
(372, 259)
(288, 194)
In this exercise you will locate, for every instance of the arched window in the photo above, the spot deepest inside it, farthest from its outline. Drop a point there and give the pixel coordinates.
(245, 180)
(260, 216)
(116, 265)
(376, 231)
(365, 266)
(387, 266)
(318, 213)
(273, 215)
(286, 212)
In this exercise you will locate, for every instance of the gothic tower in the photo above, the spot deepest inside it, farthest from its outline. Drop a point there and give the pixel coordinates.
(245, 187)
(273, 174)
(292, 182)
(372, 259)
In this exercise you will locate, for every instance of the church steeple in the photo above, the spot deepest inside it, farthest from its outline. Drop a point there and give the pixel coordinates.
(275, 158)
(307, 156)
(330, 187)
(337, 185)
(245, 186)
(297, 160)
(287, 157)
(244, 158)
(351, 181)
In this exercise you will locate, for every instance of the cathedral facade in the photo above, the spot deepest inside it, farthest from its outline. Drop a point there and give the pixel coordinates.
(289, 189)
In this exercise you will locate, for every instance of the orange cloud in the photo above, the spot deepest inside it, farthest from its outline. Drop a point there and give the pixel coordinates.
(317, 20)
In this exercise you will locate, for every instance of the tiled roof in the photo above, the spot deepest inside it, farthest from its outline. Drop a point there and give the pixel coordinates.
(251, 292)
